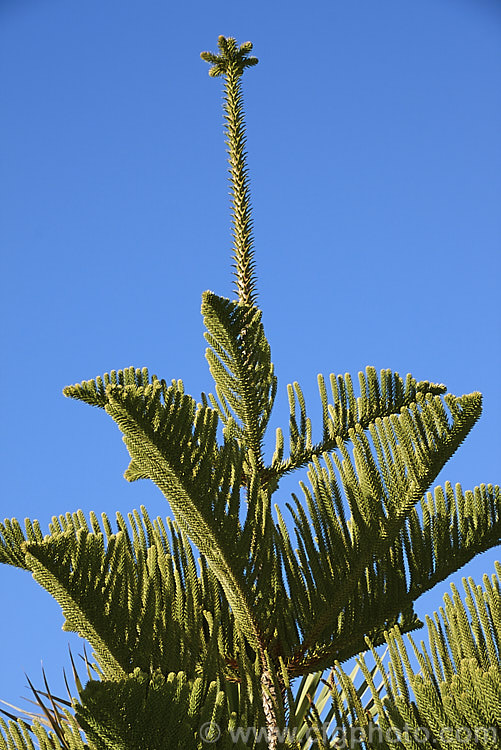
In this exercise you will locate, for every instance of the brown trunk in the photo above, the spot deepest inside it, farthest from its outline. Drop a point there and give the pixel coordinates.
(269, 701)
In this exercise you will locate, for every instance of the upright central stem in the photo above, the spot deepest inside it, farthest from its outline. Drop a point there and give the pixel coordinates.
(231, 63)
(241, 218)
(269, 695)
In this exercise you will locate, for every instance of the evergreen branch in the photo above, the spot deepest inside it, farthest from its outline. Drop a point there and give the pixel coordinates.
(12, 540)
(94, 392)
(456, 690)
(50, 563)
(173, 442)
(362, 557)
(231, 63)
(136, 594)
(19, 735)
(177, 450)
(456, 527)
(458, 685)
(146, 711)
(378, 398)
(240, 362)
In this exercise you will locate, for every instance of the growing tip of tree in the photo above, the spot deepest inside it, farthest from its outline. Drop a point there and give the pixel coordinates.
(231, 63)
(230, 56)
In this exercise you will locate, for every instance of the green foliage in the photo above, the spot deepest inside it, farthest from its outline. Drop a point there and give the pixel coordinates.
(155, 712)
(180, 643)
(455, 697)
(172, 440)
(344, 411)
(240, 362)
(136, 595)
(18, 735)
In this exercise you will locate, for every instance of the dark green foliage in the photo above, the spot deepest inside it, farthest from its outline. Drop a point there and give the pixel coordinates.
(240, 362)
(155, 713)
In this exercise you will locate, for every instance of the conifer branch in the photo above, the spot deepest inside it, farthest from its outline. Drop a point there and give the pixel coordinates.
(379, 525)
(231, 63)
(458, 682)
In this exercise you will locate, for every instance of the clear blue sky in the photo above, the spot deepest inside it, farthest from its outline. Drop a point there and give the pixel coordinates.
(375, 159)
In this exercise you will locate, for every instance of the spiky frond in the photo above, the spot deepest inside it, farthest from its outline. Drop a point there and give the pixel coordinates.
(54, 715)
(12, 540)
(19, 735)
(240, 362)
(152, 712)
(173, 441)
(344, 410)
(231, 63)
(134, 594)
(454, 697)
(349, 573)
(320, 705)
(451, 529)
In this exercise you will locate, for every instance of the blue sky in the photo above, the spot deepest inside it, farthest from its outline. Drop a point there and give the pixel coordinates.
(375, 162)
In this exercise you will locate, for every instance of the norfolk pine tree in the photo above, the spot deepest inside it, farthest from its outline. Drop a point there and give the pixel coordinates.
(184, 652)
